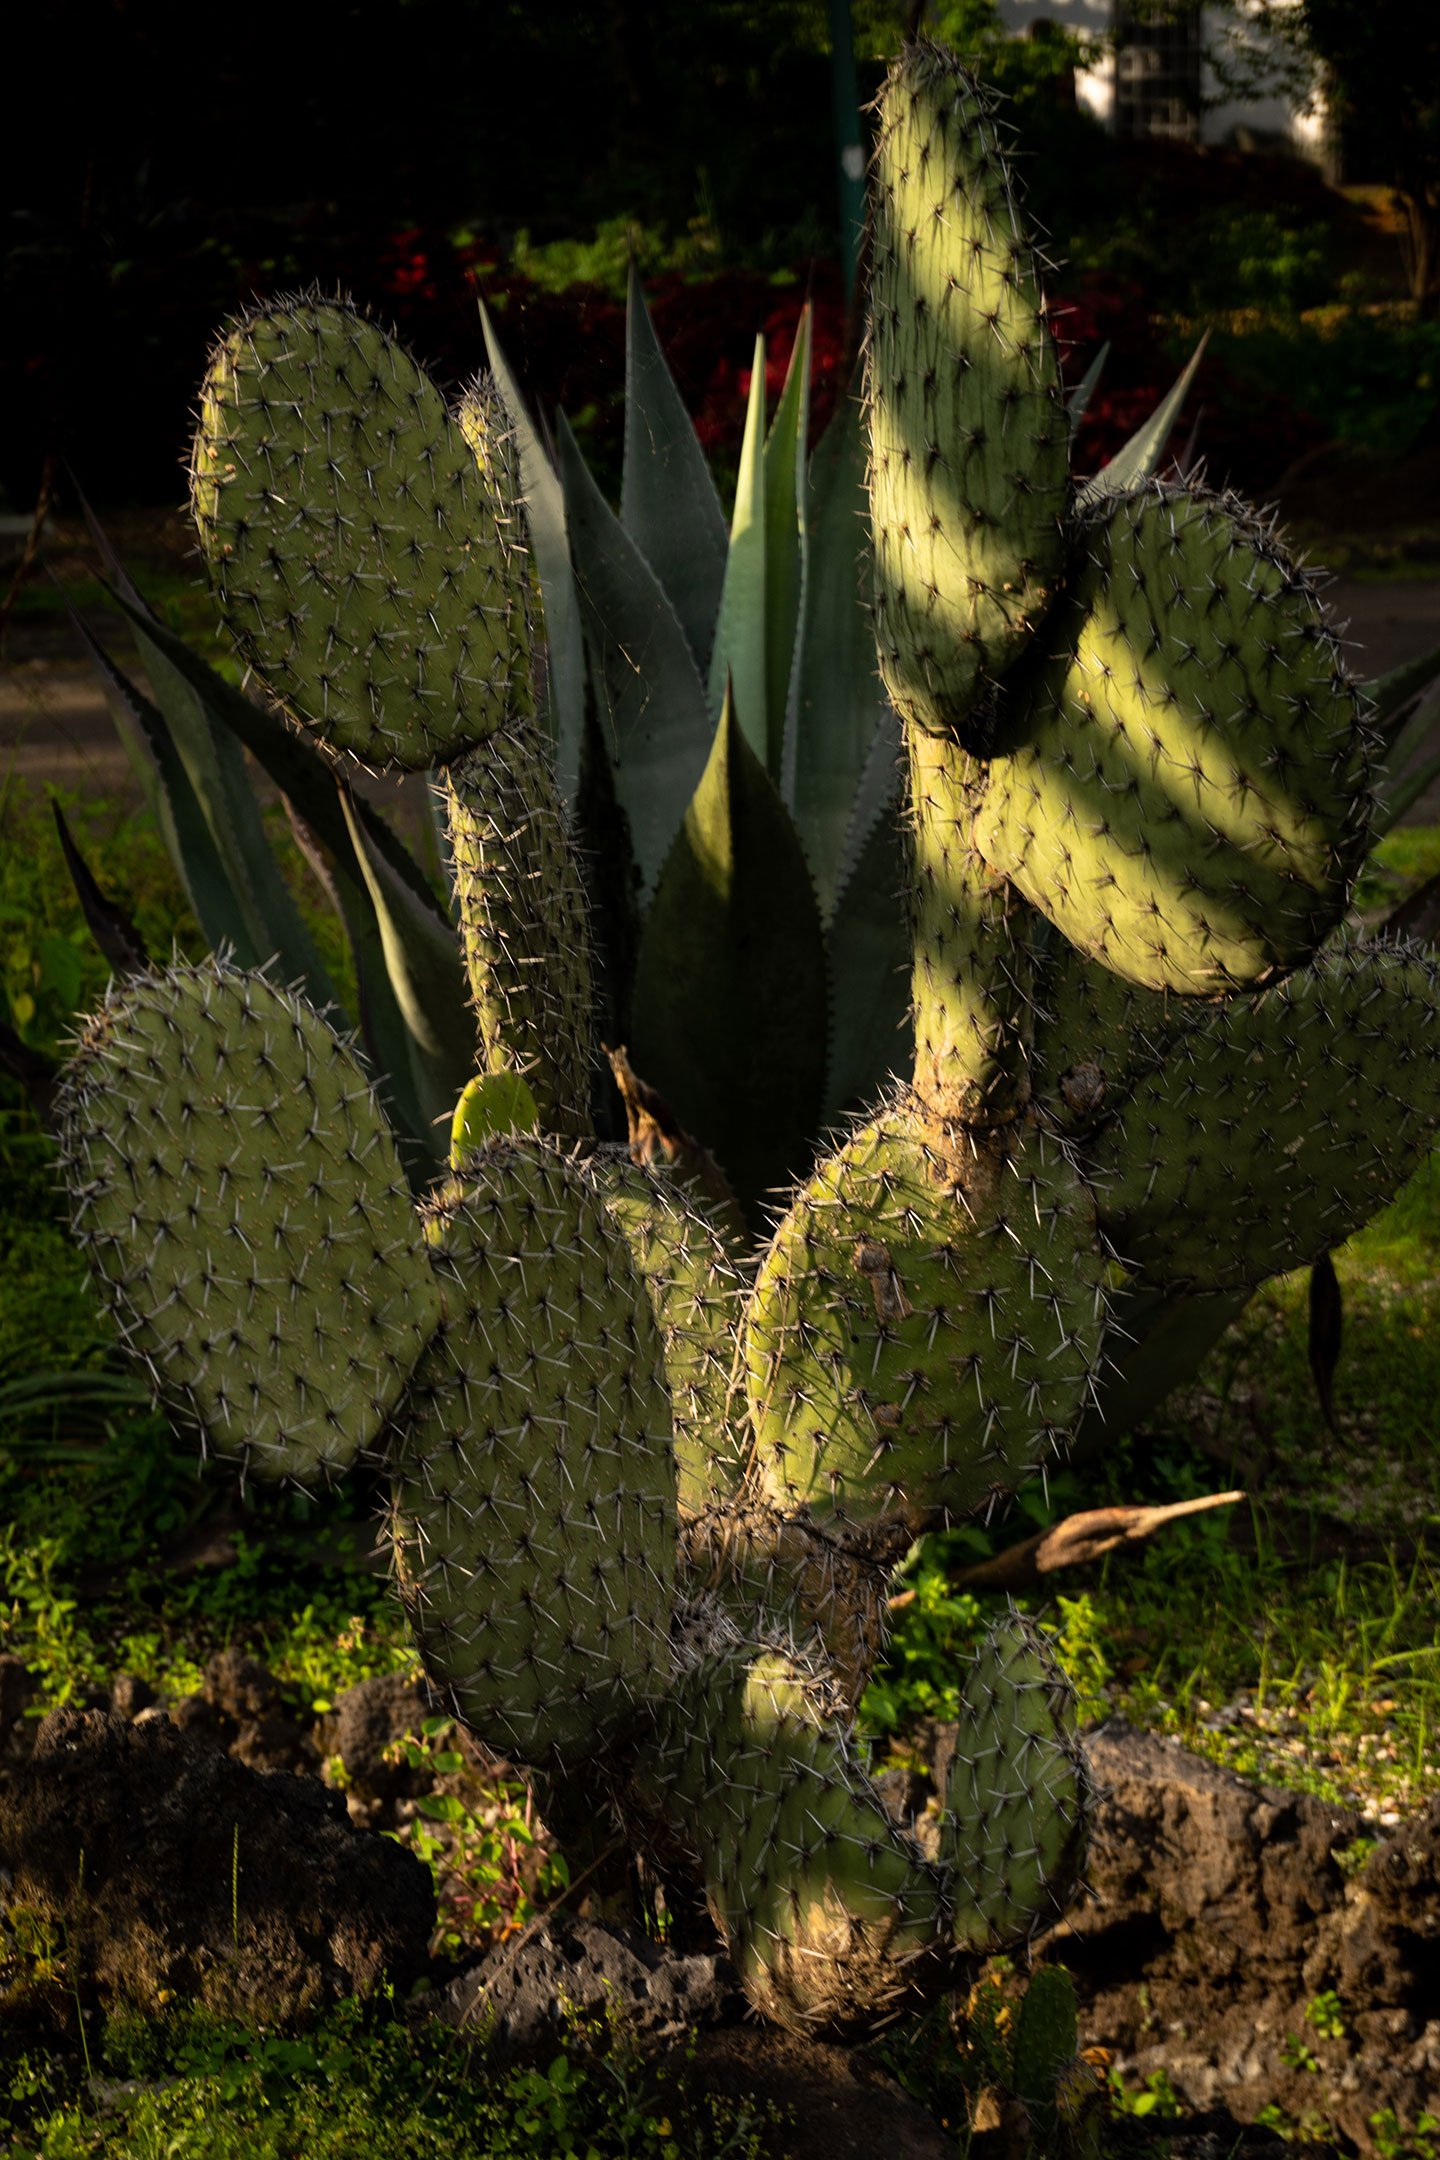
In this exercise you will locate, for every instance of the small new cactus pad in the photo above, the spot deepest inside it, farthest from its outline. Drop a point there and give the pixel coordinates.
(1190, 801)
(1278, 1124)
(534, 1513)
(832, 1915)
(925, 1323)
(696, 1292)
(1018, 1797)
(365, 566)
(238, 1196)
(968, 438)
(523, 922)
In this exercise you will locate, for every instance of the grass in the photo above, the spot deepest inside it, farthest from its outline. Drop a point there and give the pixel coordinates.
(1294, 1639)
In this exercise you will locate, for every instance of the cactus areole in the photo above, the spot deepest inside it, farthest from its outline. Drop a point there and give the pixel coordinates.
(647, 1488)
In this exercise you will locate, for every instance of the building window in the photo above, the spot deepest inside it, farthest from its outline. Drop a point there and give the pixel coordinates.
(1157, 73)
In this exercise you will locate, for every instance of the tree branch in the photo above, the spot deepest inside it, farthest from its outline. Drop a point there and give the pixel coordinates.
(1074, 1542)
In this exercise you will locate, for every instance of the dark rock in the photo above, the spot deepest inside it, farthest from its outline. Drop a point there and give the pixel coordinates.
(833, 2104)
(129, 1695)
(1220, 1912)
(136, 1837)
(517, 1995)
(368, 1719)
(252, 1718)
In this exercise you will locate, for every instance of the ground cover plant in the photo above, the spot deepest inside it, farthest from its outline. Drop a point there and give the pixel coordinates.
(972, 1043)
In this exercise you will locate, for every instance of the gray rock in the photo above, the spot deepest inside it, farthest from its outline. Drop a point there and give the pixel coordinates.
(521, 1994)
(368, 1719)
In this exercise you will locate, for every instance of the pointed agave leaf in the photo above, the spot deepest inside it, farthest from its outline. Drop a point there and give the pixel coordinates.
(668, 503)
(869, 954)
(214, 765)
(1142, 454)
(1391, 694)
(422, 963)
(549, 543)
(301, 773)
(786, 541)
(649, 699)
(1398, 781)
(839, 704)
(107, 921)
(739, 656)
(173, 803)
(730, 1010)
(1084, 390)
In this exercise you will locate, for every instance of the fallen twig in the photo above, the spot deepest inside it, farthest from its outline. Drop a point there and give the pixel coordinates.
(1072, 1543)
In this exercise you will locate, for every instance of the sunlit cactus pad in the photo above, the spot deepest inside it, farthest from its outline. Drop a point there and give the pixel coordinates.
(968, 439)
(831, 1913)
(239, 1197)
(1277, 1125)
(362, 562)
(925, 1324)
(1189, 801)
(1018, 1795)
(534, 1516)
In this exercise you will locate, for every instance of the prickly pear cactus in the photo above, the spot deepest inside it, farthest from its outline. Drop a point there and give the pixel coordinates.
(648, 1489)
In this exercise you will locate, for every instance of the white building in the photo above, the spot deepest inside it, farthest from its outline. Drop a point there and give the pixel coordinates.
(1154, 79)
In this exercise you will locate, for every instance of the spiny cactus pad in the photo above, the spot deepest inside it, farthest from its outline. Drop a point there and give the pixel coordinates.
(523, 922)
(968, 439)
(364, 565)
(1018, 1796)
(534, 1513)
(924, 1326)
(696, 1292)
(238, 1195)
(1278, 1124)
(1189, 799)
(832, 1915)
(1094, 1033)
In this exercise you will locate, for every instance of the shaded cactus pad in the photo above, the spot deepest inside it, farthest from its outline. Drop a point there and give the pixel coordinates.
(238, 1195)
(534, 1520)
(968, 440)
(364, 565)
(1278, 1124)
(1189, 800)
(925, 1324)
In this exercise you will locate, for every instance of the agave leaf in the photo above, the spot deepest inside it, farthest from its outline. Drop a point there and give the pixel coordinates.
(172, 802)
(1084, 390)
(786, 542)
(649, 699)
(545, 518)
(738, 663)
(1156, 1340)
(1140, 456)
(869, 954)
(1399, 782)
(729, 1011)
(839, 705)
(423, 967)
(301, 773)
(107, 921)
(1391, 694)
(668, 502)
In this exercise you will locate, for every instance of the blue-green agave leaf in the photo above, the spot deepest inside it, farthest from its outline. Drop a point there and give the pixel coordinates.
(738, 662)
(668, 502)
(549, 543)
(1142, 454)
(649, 699)
(786, 542)
(869, 959)
(1084, 390)
(1390, 695)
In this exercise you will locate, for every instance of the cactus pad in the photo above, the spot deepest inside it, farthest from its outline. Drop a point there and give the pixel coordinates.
(365, 566)
(534, 1514)
(968, 439)
(1018, 1796)
(1277, 1124)
(1190, 799)
(523, 922)
(239, 1198)
(832, 1915)
(925, 1323)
